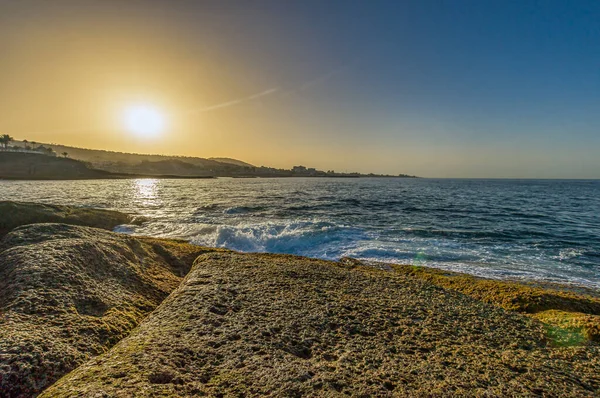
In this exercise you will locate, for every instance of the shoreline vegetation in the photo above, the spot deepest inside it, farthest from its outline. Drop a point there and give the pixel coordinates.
(85, 311)
(33, 161)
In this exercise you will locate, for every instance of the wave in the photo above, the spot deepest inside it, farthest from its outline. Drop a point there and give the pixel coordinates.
(210, 206)
(244, 209)
(315, 239)
(568, 254)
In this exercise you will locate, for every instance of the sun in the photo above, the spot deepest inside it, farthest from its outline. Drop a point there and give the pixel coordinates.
(144, 121)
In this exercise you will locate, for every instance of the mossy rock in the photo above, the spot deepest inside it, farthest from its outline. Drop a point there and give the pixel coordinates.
(16, 214)
(278, 325)
(572, 317)
(69, 293)
(571, 328)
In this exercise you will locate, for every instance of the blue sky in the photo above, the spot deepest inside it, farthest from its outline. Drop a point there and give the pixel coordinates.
(482, 68)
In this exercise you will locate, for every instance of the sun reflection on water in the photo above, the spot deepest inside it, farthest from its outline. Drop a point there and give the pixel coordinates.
(146, 192)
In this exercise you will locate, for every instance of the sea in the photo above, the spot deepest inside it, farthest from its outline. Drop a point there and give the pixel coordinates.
(546, 230)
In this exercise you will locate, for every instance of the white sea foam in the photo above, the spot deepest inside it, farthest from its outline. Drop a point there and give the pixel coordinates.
(567, 254)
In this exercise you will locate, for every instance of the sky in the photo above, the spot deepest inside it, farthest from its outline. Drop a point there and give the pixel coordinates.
(461, 88)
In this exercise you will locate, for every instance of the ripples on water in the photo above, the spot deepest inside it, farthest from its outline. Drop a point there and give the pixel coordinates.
(543, 229)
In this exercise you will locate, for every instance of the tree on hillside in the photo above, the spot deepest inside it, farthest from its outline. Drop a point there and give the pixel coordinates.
(46, 150)
(65, 154)
(6, 139)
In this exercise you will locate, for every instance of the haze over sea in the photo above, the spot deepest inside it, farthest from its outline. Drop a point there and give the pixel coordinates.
(532, 229)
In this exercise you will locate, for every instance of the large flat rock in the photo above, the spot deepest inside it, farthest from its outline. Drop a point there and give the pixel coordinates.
(276, 325)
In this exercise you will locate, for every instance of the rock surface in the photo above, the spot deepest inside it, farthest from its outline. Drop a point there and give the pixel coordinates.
(276, 325)
(15, 214)
(573, 311)
(68, 293)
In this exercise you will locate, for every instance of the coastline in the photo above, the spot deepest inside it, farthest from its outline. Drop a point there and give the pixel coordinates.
(324, 321)
(31, 165)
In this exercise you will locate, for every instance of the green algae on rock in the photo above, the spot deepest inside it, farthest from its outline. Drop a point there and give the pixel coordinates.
(68, 293)
(15, 214)
(278, 325)
(572, 317)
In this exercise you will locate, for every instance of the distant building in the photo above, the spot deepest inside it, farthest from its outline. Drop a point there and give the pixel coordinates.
(299, 169)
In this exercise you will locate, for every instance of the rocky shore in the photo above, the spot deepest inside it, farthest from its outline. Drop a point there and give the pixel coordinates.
(15, 214)
(87, 312)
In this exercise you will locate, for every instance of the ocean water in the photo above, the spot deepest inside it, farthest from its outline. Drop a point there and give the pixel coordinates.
(531, 229)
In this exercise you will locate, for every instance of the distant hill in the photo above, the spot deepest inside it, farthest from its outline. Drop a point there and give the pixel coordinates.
(174, 167)
(39, 166)
(14, 165)
(121, 162)
(232, 161)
